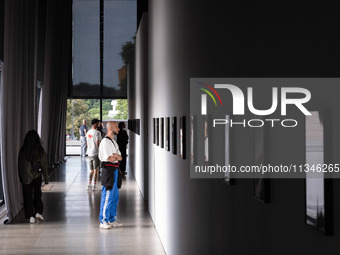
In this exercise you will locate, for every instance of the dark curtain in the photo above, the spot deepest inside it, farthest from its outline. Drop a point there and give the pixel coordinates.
(17, 94)
(2, 13)
(57, 77)
(33, 46)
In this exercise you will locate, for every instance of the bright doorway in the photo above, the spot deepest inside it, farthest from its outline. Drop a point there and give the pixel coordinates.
(88, 109)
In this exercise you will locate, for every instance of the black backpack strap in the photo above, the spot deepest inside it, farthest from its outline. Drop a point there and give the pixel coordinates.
(111, 141)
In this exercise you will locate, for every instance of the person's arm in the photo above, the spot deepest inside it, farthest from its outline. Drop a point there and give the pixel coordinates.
(115, 157)
(118, 157)
(21, 169)
(44, 163)
(99, 138)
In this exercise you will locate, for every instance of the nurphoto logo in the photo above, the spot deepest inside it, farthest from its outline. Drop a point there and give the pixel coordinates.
(263, 128)
(295, 96)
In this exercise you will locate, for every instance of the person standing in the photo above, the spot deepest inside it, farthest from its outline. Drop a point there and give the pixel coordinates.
(122, 140)
(82, 132)
(32, 164)
(109, 154)
(101, 129)
(93, 138)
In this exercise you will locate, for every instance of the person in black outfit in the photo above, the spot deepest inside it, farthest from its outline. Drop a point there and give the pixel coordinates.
(101, 129)
(32, 164)
(122, 140)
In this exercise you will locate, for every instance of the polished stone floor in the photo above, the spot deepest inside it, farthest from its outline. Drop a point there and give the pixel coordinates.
(71, 220)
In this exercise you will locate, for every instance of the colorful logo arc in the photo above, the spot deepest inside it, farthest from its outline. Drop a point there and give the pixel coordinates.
(209, 93)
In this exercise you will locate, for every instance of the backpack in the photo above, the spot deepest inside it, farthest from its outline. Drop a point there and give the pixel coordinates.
(37, 167)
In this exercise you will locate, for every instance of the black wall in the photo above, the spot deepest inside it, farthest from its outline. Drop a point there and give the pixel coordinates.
(236, 39)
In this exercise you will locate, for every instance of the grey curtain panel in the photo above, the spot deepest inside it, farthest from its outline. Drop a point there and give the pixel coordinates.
(37, 45)
(17, 94)
(57, 77)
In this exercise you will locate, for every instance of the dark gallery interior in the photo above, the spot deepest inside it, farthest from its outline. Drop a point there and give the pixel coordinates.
(56, 51)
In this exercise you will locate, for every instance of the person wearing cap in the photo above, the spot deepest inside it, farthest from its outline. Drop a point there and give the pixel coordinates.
(93, 138)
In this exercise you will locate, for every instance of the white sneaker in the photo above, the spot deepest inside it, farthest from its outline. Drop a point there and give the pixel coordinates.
(32, 220)
(39, 217)
(104, 225)
(89, 186)
(93, 187)
(115, 224)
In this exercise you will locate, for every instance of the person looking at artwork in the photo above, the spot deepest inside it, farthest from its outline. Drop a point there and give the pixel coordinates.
(32, 164)
(122, 140)
(109, 154)
(82, 132)
(93, 138)
(101, 129)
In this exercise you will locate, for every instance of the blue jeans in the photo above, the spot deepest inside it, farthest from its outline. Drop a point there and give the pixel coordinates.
(83, 147)
(109, 202)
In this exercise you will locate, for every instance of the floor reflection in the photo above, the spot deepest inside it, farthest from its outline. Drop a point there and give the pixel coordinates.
(71, 220)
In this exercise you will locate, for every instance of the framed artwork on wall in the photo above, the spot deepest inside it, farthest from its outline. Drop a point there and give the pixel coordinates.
(182, 137)
(154, 130)
(162, 132)
(318, 188)
(138, 126)
(135, 125)
(167, 134)
(261, 184)
(206, 140)
(227, 175)
(174, 135)
(193, 140)
(157, 131)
